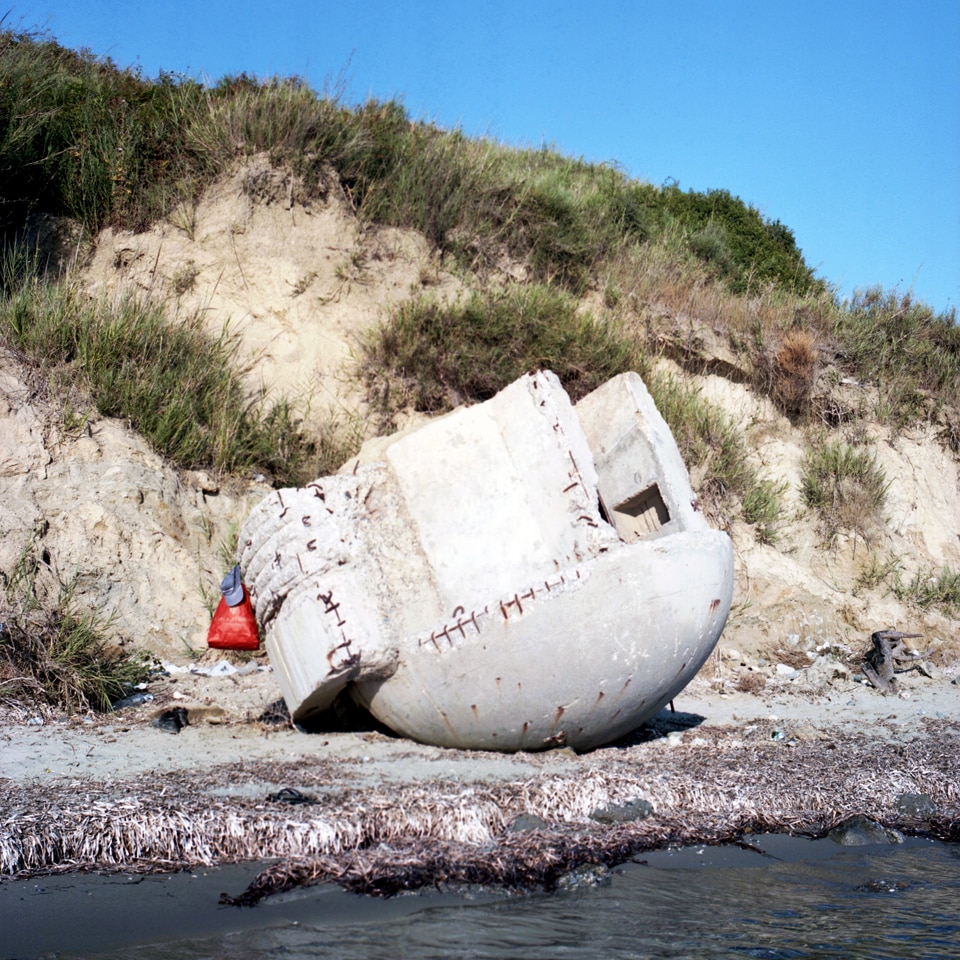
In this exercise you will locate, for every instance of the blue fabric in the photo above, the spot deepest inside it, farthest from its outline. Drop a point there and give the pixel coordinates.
(232, 587)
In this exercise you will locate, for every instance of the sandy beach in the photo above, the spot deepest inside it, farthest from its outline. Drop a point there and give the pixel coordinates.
(378, 813)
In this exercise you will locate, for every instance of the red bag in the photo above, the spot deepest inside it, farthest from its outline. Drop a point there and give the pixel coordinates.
(233, 627)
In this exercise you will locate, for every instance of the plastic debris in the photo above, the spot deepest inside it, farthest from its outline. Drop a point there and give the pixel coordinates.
(172, 721)
(222, 668)
(134, 700)
(233, 626)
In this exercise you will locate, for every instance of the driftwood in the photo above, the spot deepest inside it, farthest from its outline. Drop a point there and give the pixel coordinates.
(888, 657)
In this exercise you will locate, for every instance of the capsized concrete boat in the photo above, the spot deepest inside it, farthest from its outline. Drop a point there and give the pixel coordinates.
(515, 575)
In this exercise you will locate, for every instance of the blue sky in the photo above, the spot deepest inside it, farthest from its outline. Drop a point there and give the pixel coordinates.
(841, 119)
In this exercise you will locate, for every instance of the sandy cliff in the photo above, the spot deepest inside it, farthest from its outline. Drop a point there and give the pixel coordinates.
(299, 283)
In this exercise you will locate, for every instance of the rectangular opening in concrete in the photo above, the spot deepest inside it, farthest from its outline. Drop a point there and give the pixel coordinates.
(641, 515)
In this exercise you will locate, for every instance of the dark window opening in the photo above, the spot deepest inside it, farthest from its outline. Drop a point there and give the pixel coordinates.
(641, 515)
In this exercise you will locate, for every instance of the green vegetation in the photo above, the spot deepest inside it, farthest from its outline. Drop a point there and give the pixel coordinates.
(713, 448)
(434, 356)
(876, 571)
(177, 386)
(910, 354)
(83, 139)
(928, 588)
(52, 652)
(846, 486)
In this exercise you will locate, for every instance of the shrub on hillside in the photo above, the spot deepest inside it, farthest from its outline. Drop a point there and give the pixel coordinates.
(52, 652)
(436, 355)
(910, 353)
(174, 383)
(847, 488)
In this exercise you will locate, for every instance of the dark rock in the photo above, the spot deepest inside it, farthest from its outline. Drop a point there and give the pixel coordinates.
(916, 805)
(526, 823)
(290, 795)
(859, 831)
(625, 812)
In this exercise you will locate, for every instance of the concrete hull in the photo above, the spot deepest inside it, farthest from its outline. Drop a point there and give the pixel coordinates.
(516, 575)
(520, 678)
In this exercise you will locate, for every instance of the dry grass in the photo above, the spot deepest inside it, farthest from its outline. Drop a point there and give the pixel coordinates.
(384, 839)
(750, 681)
(791, 370)
(54, 654)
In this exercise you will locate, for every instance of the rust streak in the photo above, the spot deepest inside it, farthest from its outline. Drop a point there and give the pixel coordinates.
(714, 604)
(599, 697)
(558, 714)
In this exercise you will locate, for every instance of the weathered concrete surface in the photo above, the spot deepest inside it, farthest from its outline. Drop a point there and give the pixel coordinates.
(470, 586)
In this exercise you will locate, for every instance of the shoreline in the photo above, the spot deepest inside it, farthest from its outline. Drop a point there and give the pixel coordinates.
(178, 914)
(386, 814)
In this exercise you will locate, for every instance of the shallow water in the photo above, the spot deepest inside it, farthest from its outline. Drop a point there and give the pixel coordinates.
(804, 900)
